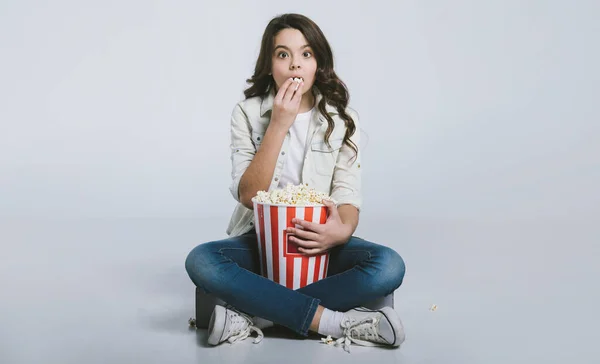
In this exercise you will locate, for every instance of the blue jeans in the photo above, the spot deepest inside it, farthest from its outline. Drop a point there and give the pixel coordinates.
(359, 272)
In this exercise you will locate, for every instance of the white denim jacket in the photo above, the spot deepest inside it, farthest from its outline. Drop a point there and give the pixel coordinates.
(329, 170)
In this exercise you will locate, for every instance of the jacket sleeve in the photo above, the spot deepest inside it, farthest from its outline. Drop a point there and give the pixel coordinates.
(347, 181)
(242, 148)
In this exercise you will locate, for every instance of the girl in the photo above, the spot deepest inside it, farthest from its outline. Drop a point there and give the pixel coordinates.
(294, 126)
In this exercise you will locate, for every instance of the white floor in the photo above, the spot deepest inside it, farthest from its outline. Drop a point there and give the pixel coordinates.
(115, 291)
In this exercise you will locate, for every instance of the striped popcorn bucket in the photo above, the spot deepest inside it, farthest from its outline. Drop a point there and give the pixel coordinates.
(280, 260)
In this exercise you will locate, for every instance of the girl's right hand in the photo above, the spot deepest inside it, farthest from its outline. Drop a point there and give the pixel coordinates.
(286, 104)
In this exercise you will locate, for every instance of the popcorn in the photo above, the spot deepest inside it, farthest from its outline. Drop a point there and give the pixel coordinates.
(433, 308)
(328, 340)
(297, 79)
(288, 265)
(292, 195)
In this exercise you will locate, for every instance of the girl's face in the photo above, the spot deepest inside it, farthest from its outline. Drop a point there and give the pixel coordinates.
(293, 57)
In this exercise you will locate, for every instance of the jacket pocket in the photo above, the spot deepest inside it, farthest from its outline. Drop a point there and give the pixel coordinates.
(325, 156)
(257, 138)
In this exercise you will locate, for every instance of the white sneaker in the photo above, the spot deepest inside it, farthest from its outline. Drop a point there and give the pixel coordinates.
(366, 327)
(227, 324)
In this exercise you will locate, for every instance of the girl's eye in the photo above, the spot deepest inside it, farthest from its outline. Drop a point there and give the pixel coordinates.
(284, 54)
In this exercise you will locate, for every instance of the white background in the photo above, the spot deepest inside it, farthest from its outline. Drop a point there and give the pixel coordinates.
(471, 109)
(481, 168)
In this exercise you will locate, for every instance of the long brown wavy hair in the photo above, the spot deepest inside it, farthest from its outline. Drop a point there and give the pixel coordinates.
(334, 91)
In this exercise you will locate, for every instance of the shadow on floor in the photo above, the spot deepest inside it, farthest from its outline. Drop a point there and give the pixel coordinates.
(276, 332)
(174, 321)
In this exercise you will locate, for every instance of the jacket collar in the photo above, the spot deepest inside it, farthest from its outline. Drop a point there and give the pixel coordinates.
(267, 103)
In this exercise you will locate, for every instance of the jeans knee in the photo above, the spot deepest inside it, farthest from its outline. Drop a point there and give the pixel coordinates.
(199, 265)
(391, 269)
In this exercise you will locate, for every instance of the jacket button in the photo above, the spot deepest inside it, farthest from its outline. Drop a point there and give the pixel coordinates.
(276, 179)
(282, 153)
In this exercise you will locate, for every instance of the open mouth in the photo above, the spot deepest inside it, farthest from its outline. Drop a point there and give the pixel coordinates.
(297, 79)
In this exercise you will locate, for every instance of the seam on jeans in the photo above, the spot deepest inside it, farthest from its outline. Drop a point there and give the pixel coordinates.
(228, 258)
(312, 309)
(357, 250)
(221, 250)
(361, 251)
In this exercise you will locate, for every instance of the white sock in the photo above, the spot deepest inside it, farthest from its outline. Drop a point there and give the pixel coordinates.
(331, 323)
(261, 323)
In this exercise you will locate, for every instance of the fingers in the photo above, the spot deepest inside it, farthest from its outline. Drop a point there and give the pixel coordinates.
(303, 234)
(292, 92)
(306, 244)
(298, 88)
(298, 93)
(311, 251)
(307, 247)
(317, 228)
(333, 211)
(283, 90)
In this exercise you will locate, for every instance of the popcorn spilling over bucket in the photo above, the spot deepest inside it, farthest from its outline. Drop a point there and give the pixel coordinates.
(280, 259)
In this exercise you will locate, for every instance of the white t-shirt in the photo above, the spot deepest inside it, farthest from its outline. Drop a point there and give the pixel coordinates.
(292, 170)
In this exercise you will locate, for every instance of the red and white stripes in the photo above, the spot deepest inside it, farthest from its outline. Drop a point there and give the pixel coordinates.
(280, 260)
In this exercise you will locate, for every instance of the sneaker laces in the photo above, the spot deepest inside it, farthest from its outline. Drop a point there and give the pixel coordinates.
(241, 326)
(361, 332)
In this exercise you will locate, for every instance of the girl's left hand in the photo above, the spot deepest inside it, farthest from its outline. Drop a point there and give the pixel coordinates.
(318, 238)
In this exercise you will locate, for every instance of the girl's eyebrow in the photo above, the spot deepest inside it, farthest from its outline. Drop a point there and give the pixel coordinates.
(285, 47)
